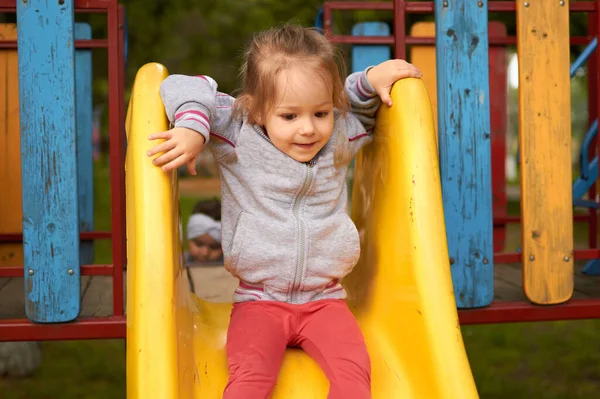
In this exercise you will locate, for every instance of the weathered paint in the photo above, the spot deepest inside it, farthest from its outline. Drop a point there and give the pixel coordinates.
(545, 143)
(423, 56)
(48, 159)
(464, 147)
(11, 254)
(85, 161)
(365, 55)
(11, 216)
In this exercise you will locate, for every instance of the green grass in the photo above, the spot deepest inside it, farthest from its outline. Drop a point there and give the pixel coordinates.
(74, 369)
(557, 360)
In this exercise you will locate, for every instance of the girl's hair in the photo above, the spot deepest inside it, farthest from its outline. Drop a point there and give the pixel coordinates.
(209, 207)
(278, 49)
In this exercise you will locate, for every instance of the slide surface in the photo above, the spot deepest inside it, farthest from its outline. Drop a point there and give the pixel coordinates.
(401, 290)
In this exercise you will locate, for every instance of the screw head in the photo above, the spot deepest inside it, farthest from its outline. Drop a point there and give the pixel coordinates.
(485, 261)
(445, 4)
(567, 258)
(531, 257)
(480, 3)
(526, 4)
(31, 272)
(70, 272)
(452, 261)
(561, 2)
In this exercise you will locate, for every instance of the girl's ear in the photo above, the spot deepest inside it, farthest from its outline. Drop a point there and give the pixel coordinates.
(257, 117)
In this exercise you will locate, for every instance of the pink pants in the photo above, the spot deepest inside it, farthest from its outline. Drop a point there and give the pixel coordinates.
(326, 330)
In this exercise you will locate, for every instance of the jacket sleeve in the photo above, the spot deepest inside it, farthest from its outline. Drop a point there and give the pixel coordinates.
(364, 101)
(358, 124)
(193, 102)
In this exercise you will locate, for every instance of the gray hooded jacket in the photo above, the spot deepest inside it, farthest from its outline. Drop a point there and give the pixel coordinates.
(286, 233)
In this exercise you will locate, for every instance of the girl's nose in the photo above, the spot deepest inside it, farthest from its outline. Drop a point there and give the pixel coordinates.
(308, 127)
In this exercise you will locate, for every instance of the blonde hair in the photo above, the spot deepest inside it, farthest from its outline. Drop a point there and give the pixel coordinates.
(277, 49)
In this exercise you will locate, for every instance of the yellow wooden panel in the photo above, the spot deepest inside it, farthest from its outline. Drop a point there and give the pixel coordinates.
(10, 156)
(545, 142)
(423, 57)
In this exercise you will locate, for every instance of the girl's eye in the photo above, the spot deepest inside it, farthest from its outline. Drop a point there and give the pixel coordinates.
(288, 117)
(321, 114)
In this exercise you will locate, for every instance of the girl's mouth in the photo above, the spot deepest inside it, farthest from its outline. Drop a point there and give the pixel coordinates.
(305, 146)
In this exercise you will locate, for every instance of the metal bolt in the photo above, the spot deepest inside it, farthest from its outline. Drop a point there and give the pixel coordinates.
(70, 272)
(567, 259)
(526, 4)
(445, 4)
(480, 4)
(561, 2)
(531, 257)
(485, 261)
(61, 2)
(31, 272)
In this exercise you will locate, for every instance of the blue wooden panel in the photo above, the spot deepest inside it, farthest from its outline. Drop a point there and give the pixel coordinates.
(85, 162)
(464, 145)
(48, 158)
(366, 55)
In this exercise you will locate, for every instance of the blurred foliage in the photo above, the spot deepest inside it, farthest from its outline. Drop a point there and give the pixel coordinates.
(208, 37)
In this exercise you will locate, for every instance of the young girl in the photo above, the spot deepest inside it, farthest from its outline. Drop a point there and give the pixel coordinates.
(283, 149)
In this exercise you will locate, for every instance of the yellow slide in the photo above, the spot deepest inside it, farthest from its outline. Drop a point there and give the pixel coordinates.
(401, 291)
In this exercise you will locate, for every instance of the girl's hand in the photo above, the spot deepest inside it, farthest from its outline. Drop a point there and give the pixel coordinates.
(384, 75)
(182, 146)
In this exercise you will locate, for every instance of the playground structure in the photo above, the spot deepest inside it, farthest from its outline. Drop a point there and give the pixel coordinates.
(417, 353)
(53, 293)
(464, 105)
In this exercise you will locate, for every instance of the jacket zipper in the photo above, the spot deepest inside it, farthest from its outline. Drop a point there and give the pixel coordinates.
(296, 211)
(301, 229)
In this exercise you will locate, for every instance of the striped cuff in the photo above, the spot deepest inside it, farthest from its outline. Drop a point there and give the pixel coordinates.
(194, 119)
(363, 87)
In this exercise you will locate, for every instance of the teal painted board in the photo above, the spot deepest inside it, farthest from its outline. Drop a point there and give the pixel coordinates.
(48, 157)
(364, 56)
(465, 147)
(84, 123)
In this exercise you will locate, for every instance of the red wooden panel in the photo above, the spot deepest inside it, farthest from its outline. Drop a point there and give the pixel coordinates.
(498, 117)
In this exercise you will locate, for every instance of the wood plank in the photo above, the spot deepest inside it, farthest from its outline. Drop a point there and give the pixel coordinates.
(364, 56)
(10, 164)
(545, 143)
(464, 147)
(85, 147)
(423, 57)
(96, 297)
(498, 122)
(10, 150)
(48, 159)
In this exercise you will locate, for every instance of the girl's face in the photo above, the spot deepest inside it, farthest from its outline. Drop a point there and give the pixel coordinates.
(302, 120)
(205, 248)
